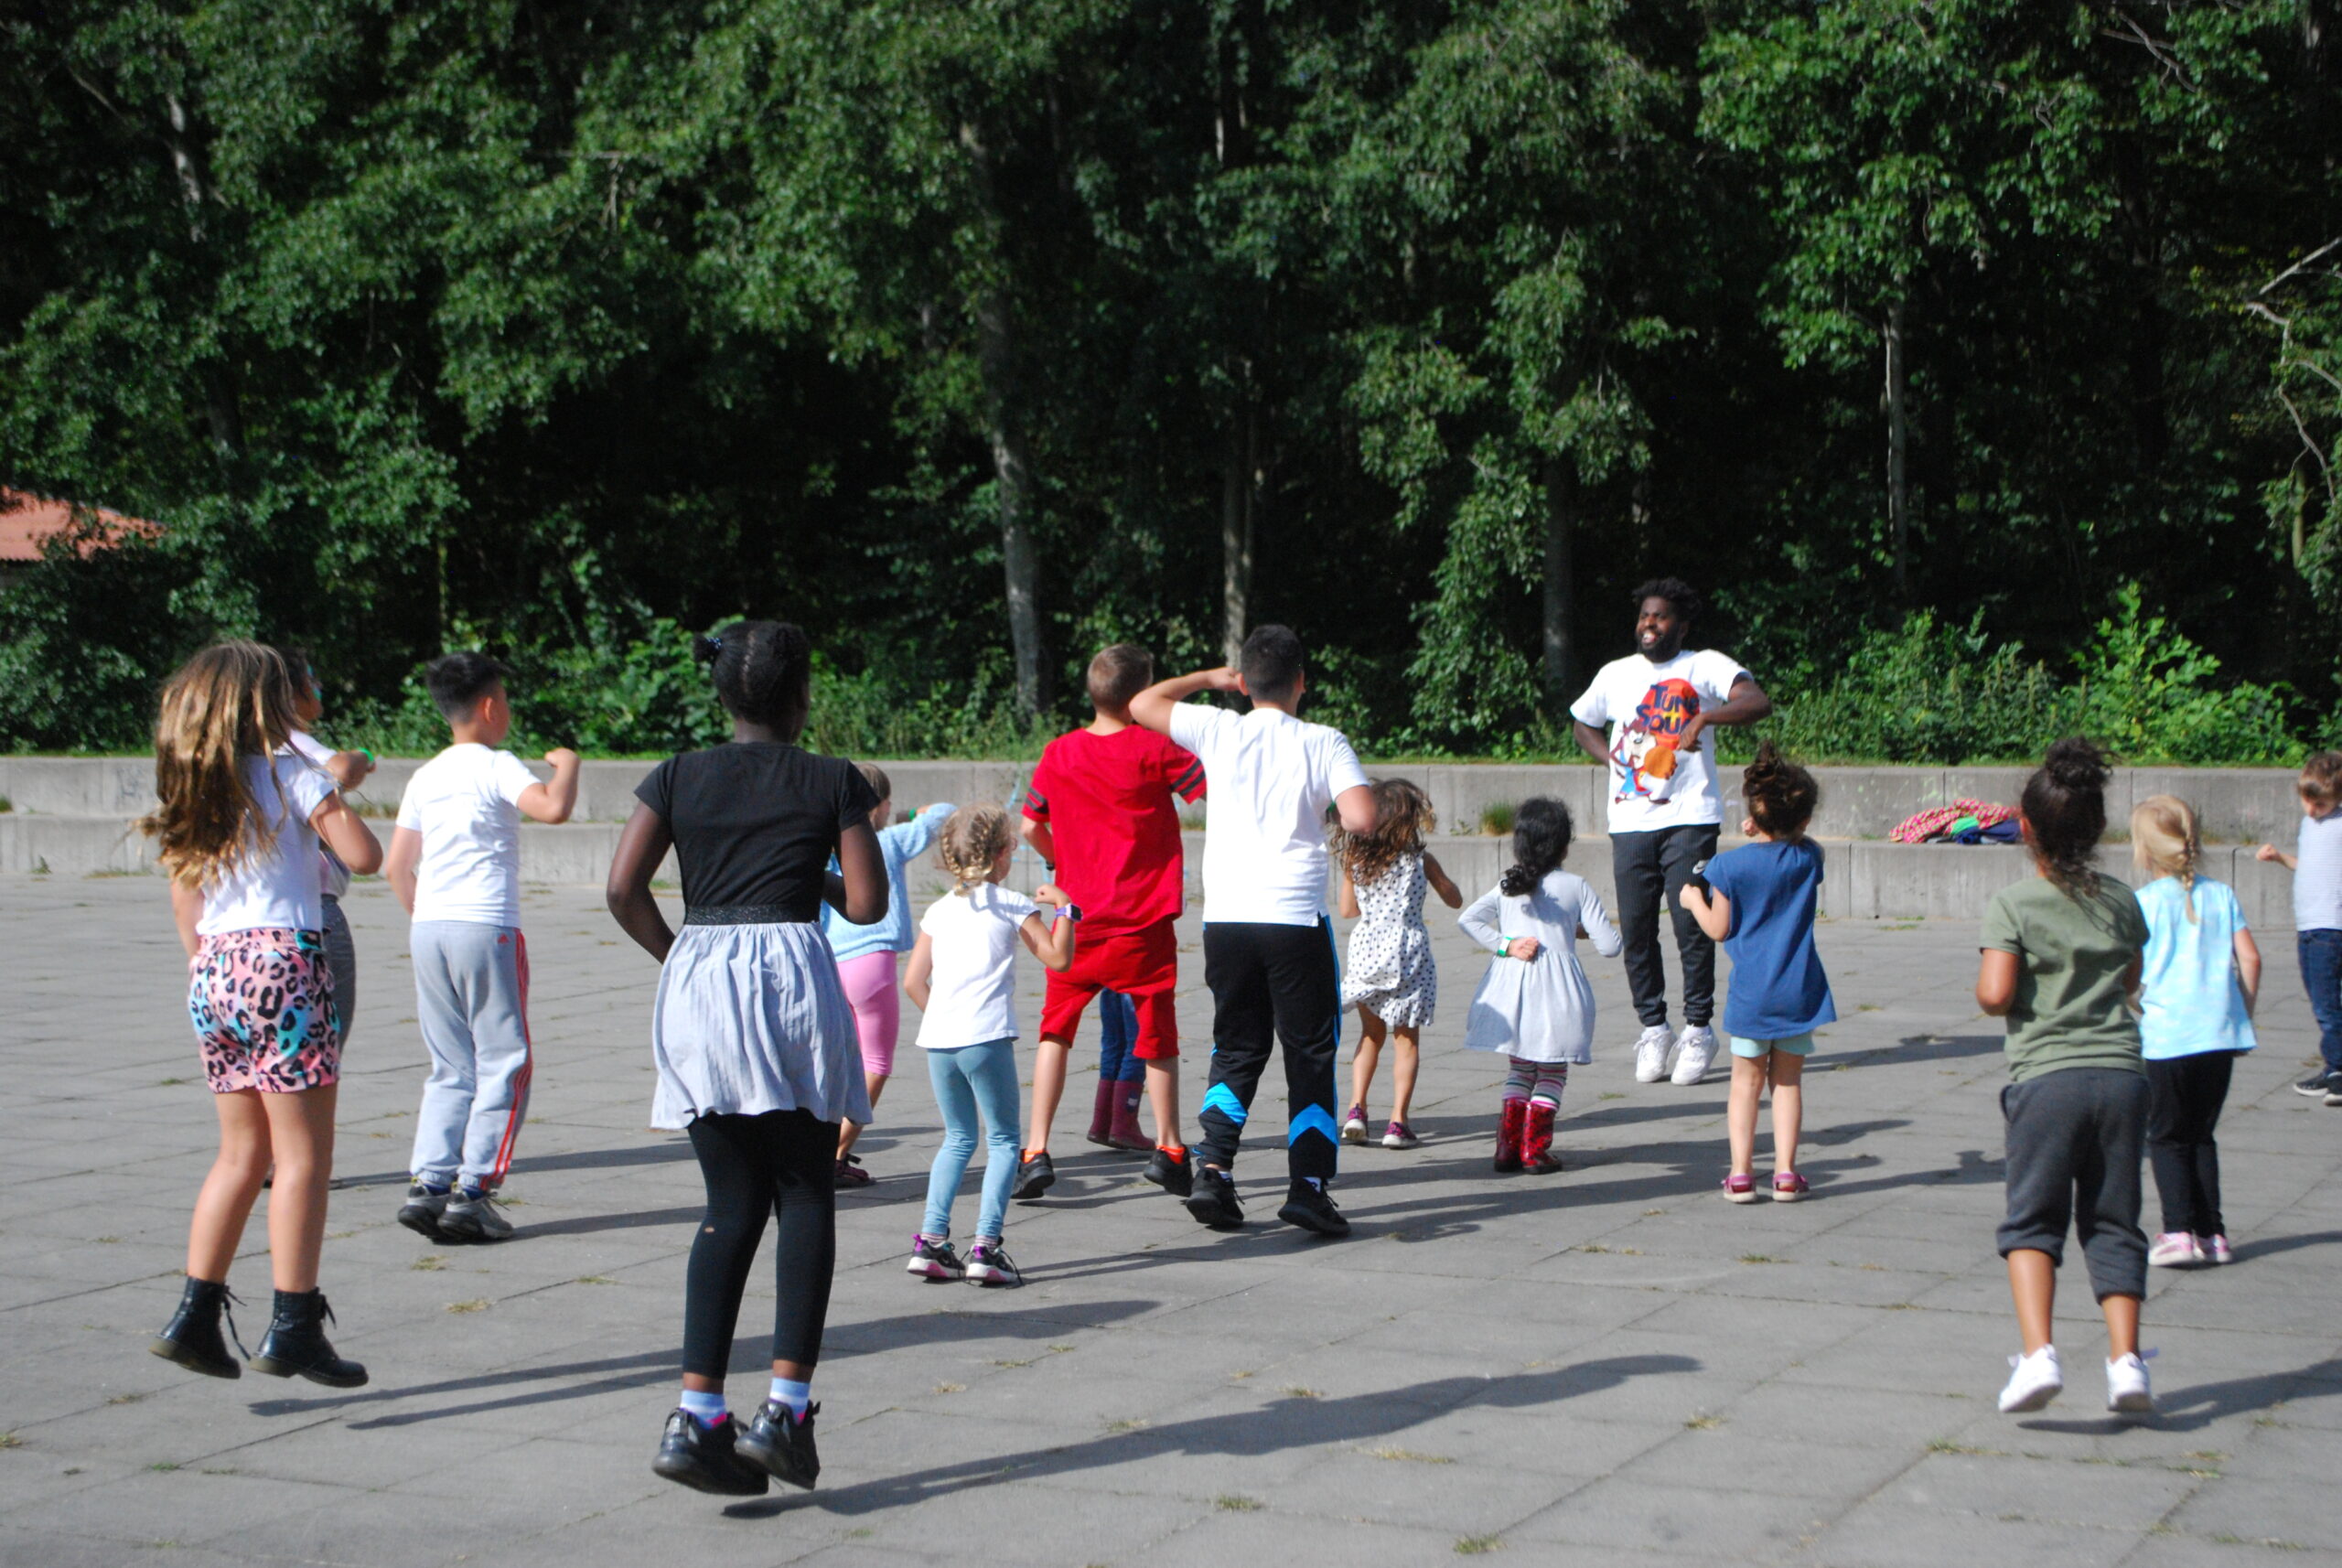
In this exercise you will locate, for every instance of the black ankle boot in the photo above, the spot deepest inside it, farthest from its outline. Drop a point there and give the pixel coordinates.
(192, 1336)
(296, 1343)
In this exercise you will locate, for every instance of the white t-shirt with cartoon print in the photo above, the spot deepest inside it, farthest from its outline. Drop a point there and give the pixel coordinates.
(1646, 706)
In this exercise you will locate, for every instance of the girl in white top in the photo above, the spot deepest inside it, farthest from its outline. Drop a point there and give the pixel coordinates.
(237, 826)
(962, 978)
(1534, 1004)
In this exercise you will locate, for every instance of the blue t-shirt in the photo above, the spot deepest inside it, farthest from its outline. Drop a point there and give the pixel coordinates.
(2187, 977)
(1778, 988)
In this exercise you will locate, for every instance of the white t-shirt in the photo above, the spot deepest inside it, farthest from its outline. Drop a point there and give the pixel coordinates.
(333, 877)
(465, 804)
(972, 994)
(1654, 786)
(2318, 881)
(1272, 776)
(276, 885)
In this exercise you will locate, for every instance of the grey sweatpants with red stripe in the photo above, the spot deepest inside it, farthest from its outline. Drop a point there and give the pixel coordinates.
(471, 996)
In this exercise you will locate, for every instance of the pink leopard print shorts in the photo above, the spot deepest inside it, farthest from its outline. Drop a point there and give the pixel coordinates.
(263, 1010)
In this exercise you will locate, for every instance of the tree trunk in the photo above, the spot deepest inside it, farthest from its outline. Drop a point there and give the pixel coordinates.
(1236, 489)
(1561, 588)
(1013, 474)
(1898, 442)
(222, 413)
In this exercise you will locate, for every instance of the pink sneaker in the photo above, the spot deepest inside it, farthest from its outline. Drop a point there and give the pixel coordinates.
(2216, 1249)
(1739, 1188)
(2175, 1250)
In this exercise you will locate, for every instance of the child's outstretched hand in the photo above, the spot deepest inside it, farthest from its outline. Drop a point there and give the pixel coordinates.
(1525, 949)
(2267, 851)
(562, 756)
(1052, 895)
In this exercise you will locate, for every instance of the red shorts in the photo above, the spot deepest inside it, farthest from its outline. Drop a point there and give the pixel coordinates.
(1140, 961)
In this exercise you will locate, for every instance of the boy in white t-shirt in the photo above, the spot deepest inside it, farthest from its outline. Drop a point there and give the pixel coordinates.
(454, 863)
(1665, 810)
(1268, 945)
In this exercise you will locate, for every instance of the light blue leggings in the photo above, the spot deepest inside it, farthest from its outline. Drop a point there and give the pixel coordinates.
(971, 1081)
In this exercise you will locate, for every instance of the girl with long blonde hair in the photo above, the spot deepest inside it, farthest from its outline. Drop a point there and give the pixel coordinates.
(2200, 979)
(237, 824)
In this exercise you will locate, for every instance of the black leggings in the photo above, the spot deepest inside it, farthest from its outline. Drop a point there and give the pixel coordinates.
(2185, 1097)
(780, 1164)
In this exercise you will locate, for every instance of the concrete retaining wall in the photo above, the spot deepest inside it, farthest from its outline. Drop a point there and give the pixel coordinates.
(2235, 805)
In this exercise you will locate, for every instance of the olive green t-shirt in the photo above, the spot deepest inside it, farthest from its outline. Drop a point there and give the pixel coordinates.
(2072, 956)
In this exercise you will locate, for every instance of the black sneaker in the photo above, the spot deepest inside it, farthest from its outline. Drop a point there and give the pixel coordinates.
(704, 1458)
(2318, 1085)
(1213, 1201)
(1311, 1206)
(990, 1264)
(1033, 1177)
(473, 1216)
(934, 1261)
(782, 1443)
(1176, 1177)
(420, 1211)
(2334, 1091)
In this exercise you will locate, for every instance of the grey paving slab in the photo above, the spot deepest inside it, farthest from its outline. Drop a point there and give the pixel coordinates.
(1607, 1366)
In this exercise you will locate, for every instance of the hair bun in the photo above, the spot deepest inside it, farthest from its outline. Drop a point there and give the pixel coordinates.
(706, 649)
(1768, 762)
(2077, 764)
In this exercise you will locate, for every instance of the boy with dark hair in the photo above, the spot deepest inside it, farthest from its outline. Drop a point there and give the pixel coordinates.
(1268, 945)
(1665, 810)
(1101, 812)
(454, 863)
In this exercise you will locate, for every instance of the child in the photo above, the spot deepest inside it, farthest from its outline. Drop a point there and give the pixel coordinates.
(454, 863)
(1122, 1078)
(2316, 866)
(347, 770)
(962, 976)
(752, 1039)
(1759, 900)
(2199, 980)
(1268, 946)
(1102, 813)
(2061, 951)
(1534, 1004)
(1392, 978)
(867, 954)
(238, 823)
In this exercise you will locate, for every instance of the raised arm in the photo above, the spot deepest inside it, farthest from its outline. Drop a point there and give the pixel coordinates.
(552, 802)
(1743, 705)
(1051, 940)
(347, 834)
(1152, 707)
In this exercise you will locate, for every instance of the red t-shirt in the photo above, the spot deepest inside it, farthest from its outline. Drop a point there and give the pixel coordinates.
(1108, 800)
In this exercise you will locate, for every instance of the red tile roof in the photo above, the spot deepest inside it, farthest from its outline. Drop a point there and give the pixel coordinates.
(29, 521)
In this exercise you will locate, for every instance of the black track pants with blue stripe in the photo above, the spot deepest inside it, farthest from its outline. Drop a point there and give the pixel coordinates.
(1272, 983)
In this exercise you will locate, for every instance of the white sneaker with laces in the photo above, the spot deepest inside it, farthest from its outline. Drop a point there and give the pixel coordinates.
(1651, 1053)
(2126, 1384)
(1695, 1051)
(2034, 1381)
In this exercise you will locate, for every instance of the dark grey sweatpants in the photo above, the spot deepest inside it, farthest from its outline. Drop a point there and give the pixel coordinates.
(2073, 1157)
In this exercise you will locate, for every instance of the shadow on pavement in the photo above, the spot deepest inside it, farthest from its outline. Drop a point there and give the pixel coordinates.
(2189, 1408)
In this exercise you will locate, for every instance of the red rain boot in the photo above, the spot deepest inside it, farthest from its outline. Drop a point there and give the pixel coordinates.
(1123, 1133)
(1101, 1114)
(1509, 1130)
(1537, 1143)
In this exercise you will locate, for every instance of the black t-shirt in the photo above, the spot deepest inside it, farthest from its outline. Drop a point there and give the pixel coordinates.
(756, 822)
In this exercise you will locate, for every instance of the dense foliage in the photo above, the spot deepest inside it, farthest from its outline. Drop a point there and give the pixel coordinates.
(1981, 358)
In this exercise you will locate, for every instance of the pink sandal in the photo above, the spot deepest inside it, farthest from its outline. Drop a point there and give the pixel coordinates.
(1788, 1187)
(1739, 1188)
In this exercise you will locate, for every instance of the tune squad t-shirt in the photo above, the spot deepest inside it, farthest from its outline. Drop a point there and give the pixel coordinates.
(1653, 785)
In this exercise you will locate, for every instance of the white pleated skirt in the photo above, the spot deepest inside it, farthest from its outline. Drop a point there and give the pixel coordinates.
(749, 1019)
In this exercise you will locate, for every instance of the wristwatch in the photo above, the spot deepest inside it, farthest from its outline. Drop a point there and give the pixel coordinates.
(1069, 912)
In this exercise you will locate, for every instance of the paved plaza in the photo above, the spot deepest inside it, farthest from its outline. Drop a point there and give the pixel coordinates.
(1608, 1366)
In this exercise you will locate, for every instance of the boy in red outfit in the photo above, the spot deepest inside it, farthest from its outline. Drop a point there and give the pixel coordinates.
(1101, 812)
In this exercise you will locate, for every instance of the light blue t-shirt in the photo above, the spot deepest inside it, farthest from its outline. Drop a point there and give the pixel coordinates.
(2187, 976)
(2317, 875)
(897, 846)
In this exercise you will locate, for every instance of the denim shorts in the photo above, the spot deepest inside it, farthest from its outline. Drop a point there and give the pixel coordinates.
(1755, 1050)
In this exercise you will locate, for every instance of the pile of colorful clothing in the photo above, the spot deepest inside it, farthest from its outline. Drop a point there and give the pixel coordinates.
(1963, 821)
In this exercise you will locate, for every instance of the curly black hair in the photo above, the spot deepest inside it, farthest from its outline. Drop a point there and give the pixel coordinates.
(1541, 842)
(1675, 591)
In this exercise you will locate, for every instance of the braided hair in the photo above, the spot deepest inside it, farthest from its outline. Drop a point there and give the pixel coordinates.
(2163, 843)
(2064, 807)
(971, 843)
(763, 672)
(1541, 842)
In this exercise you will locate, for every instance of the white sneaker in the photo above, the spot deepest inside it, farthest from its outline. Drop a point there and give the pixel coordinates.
(1651, 1053)
(1695, 1049)
(2175, 1250)
(2036, 1379)
(2126, 1384)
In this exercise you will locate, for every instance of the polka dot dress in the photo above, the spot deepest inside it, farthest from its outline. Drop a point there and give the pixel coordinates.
(1391, 970)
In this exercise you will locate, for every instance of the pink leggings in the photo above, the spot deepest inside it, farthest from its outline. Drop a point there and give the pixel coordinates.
(877, 1004)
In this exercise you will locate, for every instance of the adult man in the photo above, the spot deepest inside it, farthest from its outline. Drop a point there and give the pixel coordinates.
(1665, 810)
(1268, 946)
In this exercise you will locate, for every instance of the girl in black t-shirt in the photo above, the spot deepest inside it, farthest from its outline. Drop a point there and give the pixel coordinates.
(754, 1042)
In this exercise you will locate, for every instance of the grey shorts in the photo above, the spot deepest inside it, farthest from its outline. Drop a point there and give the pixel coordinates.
(2074, 1138)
